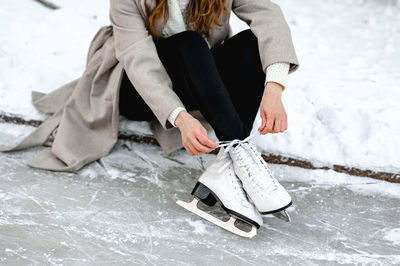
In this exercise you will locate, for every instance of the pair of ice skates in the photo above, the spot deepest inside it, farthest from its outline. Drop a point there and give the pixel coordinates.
(239, 179)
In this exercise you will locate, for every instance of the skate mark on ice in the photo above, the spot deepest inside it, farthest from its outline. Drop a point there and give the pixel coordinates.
(94, 196)
(79, 247)
(146, 229)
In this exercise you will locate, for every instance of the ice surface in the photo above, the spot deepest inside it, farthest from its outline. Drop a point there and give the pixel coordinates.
(121, 210)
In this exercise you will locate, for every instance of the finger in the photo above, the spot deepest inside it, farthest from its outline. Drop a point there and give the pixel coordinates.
(270, 123)
(193, 150)
(277, 125)
(285, 126)
(205, 140)
(263, 121)
(264, 131)
(196, 146)
(200, 147)
(189, 150)
(282, 129)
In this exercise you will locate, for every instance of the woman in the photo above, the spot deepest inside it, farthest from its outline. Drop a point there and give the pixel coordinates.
(195, 71)
(227, 84)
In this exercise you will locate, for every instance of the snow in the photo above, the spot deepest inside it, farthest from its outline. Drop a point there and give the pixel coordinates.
(43, 49)
(344, 106)
(342, 103)
(393, 236)
(199, 227)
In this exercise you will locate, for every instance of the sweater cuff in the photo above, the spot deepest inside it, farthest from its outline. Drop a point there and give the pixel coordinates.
(172, 116)
(278, 73)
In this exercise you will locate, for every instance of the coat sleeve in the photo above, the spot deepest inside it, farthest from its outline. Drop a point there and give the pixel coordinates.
(268, 24)
(136, 50)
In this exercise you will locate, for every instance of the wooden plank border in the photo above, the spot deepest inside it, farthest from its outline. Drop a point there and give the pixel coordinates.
(269, 158)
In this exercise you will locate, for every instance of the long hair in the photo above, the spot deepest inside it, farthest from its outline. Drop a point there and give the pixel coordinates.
(201, 14)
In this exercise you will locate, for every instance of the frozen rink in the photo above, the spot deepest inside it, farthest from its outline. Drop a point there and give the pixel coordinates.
(121, 210)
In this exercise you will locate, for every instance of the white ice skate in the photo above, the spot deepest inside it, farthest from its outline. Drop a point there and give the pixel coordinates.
(219, 183)
(268, 195)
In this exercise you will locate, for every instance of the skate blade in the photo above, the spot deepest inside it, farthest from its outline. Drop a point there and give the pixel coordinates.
(283, 215)
(228, 225)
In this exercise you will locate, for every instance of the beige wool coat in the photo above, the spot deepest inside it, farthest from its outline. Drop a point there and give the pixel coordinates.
(83, 114)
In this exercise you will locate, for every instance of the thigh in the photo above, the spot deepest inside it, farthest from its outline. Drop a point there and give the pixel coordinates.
(132, 105)
(239, 64)
(170, 57)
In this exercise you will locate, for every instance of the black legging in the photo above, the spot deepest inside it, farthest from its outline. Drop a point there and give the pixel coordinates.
(225, 83)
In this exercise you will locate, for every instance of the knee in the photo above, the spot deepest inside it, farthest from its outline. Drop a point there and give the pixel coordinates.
(248, 34)
(191, 39)
(248, 39)
(189, 35)
(247, 44)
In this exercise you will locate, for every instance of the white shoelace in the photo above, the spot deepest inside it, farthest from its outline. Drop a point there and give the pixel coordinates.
(237, 184)
(243, 150)
(229, 144)
(238, 187)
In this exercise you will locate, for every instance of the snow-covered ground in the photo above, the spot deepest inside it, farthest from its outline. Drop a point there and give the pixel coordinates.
(342, 103)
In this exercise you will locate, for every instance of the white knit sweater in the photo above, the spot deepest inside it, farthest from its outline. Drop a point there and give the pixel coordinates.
(177, 8)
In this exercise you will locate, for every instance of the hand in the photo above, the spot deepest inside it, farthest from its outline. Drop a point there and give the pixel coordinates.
(194, 136)
(273, 114)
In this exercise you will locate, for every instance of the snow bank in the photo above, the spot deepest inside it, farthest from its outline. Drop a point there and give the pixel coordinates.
(343, 101)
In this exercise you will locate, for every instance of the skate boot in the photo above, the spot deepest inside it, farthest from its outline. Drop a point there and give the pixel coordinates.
(220, 184)
(268, 195)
